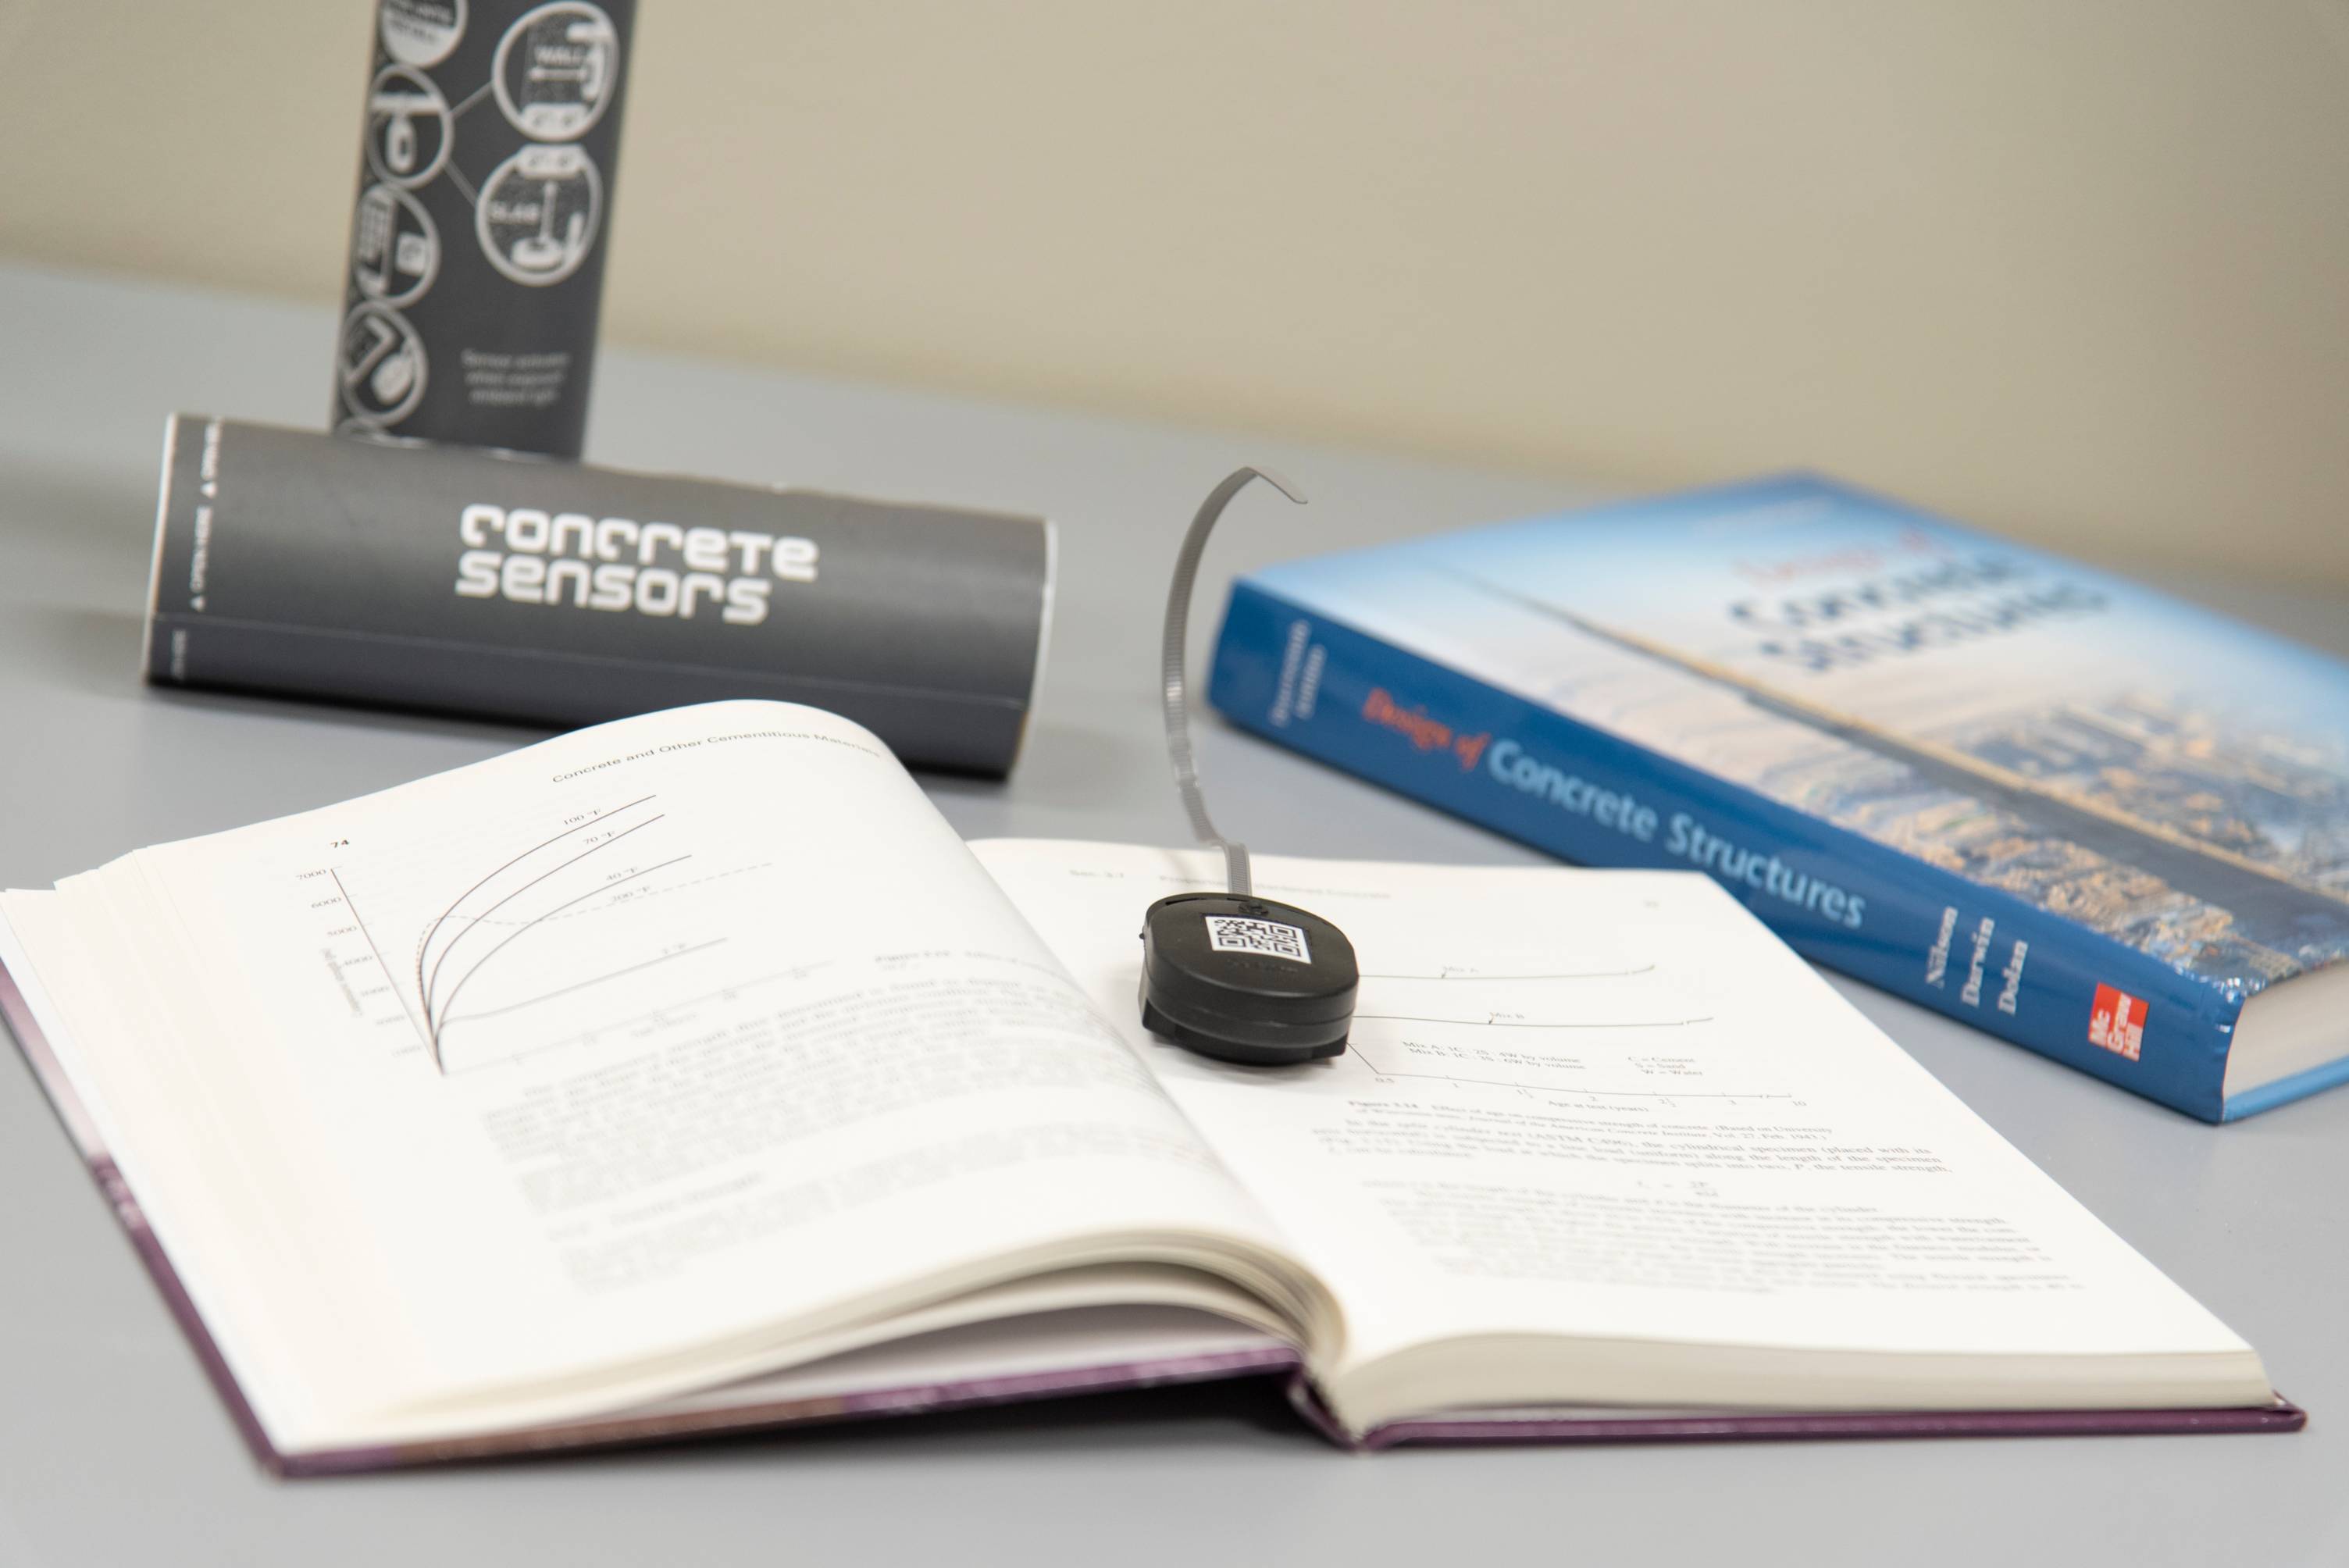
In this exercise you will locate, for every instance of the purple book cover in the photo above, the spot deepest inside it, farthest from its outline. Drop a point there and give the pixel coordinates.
(623, 1429)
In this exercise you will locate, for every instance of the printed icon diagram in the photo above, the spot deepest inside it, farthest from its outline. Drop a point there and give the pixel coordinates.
(556, 69)
(408, 127)
(537, 213)
(421, 32)
(381, 365)
(395, 249)
(535, 191)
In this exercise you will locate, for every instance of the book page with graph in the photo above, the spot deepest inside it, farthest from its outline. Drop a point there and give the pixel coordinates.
(1610, 1105)
(601, 1069)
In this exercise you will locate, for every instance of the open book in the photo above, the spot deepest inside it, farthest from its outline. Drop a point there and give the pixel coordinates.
(688, 1072)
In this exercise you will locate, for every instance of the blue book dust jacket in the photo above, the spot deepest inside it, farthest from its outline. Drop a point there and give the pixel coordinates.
(2039, 798)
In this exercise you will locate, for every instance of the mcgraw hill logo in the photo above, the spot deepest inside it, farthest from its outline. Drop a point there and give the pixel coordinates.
(1425, 734)
(2116, 1022)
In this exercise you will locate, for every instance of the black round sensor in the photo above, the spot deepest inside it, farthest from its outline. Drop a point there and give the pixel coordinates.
(1229, 974)
(1247, 980)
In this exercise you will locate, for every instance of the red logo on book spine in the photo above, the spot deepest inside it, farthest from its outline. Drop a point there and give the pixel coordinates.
(2116, 1022)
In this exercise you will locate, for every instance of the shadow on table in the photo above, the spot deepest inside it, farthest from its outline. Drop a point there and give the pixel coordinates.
(1059, 764)
(353, 716)
(91, 652)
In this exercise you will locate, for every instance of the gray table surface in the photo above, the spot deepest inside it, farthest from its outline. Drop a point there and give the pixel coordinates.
(113, 1448)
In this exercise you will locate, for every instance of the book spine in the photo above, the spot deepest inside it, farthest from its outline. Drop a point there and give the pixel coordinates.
(1518, 768)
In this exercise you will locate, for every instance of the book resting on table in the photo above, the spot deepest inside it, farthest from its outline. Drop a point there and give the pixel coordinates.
(688, 1073)
(2043, 798)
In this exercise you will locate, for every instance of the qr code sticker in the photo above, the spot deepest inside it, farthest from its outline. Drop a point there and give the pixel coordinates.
(1232, 933)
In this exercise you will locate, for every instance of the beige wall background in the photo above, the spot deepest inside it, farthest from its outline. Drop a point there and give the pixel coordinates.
(2078, 269)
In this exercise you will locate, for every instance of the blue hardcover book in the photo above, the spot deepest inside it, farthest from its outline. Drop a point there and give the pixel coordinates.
(2041, 798)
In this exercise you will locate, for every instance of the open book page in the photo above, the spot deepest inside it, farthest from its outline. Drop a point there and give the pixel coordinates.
(616, 1064)
(1611, 1105)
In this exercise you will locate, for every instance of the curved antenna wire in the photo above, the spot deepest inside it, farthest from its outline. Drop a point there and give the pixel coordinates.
(1176, 693)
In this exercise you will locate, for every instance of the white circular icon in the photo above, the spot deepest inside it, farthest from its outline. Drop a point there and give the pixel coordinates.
(537, 213)
(395, 249)
(408, 127)
(381, 365)
(557, 68)
(420, 32)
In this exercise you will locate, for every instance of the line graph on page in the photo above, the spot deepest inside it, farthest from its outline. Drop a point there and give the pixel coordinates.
(510, 937)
